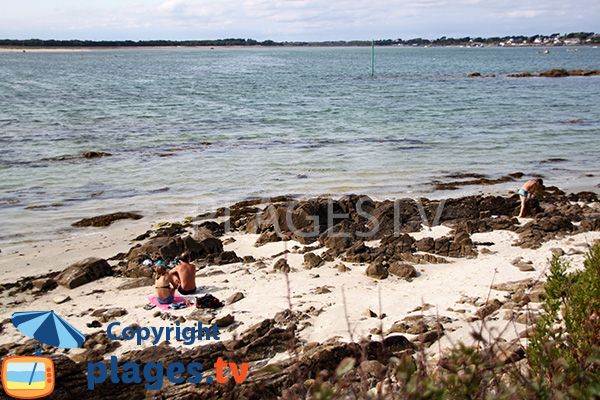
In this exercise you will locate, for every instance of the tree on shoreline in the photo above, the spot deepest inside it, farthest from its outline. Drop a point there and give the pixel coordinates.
(590, 38)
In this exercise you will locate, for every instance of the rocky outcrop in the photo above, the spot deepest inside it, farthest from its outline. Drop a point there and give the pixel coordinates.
(106, 220)
(83, 272)
(402, 270)
(168, 248)
(557, 73)
(377, 271)
(311, 260)
(95, 154)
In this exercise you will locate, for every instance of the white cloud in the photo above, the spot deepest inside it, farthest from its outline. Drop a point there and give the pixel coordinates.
(524, 14)
(292, 19)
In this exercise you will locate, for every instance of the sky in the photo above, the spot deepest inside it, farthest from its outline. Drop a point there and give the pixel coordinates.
(292, 20)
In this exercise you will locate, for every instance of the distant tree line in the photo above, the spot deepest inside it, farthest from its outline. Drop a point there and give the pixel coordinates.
(554, 39)
(131, 43)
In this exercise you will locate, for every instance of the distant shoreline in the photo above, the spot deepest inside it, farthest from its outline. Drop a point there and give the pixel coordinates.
(570, 39)
(9, 49)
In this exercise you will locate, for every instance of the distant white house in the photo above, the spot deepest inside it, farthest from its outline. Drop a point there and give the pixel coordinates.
(572, 41)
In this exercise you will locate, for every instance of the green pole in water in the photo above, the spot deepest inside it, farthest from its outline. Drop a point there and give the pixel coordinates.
(373, 59)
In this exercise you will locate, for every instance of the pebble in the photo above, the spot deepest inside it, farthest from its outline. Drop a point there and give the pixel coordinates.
(61, 299)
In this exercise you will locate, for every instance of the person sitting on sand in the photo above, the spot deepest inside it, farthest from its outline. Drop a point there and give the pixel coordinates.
(185, 275)
(526, 192)
(165, 285)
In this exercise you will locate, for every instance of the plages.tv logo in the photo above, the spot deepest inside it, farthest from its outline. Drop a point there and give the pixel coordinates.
(32, 377)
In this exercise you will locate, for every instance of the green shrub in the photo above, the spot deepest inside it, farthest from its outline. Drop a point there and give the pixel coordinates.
(564, 352)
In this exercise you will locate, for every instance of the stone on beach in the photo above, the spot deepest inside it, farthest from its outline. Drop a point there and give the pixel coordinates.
(61, 299)
(377, 271)
(402, 270)
(311, 260)
(234, 298)
(106, 220)
(83, 272)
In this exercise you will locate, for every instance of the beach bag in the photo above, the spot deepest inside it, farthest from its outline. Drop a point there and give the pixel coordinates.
(208, 301)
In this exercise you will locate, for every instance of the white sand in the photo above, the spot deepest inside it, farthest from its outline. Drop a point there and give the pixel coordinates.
(266, 291)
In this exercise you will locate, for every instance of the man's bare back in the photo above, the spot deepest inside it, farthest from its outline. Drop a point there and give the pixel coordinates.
(185, 275)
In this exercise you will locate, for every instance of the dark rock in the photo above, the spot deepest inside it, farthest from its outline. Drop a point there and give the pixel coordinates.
(342, 267)
(489, 308)
(322, 290)
(377, 271)
(226, 257)
(590, 224)
(267, 237)
(588, 197)
(555, 73)
(44, 284)
(507, 352)
(397, 343)
(442, 246)
(168, 248)
(224, 321)
(337, 242)
(282, 266)
(106, 220)
(311, 260)
(359, 253)
(304, 236)
(216, 230)
(462, 238)
(402, 270)
(418, 325)
(543, 228)
(107, 314)
(83, 272)
(248, 259)
(426, 245)
(234, 298)
(458, 209)
(95, 154)
(357, 248)
(94, 324)
(500, 206)
(369, 313)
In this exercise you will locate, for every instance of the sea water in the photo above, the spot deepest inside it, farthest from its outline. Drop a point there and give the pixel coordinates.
(192, 129)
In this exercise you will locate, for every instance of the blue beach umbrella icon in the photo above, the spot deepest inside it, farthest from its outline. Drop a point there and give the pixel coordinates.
(48, 328)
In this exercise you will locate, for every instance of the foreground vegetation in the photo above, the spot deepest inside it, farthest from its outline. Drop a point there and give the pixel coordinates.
(562, 360)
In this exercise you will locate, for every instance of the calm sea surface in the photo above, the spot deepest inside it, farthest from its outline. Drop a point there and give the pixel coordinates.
(193, 129)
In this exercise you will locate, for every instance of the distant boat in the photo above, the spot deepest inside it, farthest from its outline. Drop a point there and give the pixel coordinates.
(571, 49)
(544, 51)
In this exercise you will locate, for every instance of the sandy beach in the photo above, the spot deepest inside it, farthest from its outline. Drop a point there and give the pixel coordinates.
(430, 288)
(334, 299)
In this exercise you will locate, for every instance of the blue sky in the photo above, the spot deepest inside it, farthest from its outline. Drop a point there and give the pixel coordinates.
(291, 20)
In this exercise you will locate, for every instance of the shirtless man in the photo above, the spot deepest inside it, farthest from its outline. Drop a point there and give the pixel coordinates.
(185, 275)
(526, 192)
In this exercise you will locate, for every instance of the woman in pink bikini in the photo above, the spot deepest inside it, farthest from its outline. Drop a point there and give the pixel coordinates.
(526, 192)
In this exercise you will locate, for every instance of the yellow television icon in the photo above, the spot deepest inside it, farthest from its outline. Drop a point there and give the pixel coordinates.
(28, 377)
